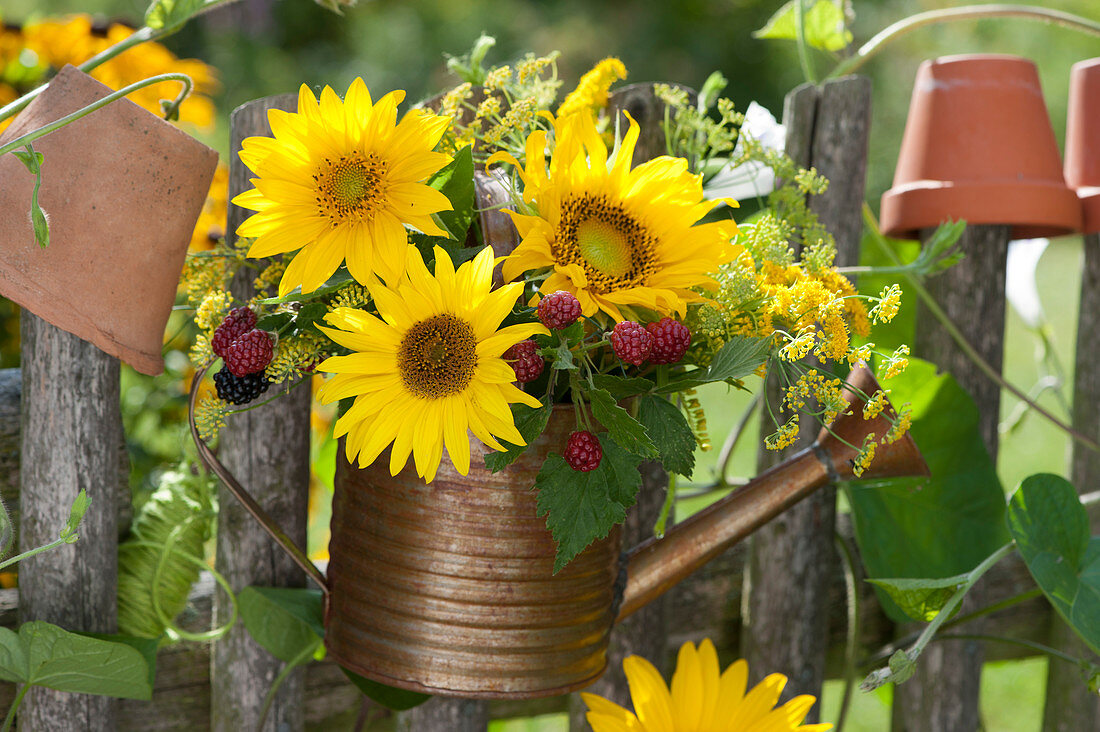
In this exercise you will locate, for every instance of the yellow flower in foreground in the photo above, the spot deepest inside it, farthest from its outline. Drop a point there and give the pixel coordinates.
(612, 235)
(700, 700)
(340, 180)
(430, 368)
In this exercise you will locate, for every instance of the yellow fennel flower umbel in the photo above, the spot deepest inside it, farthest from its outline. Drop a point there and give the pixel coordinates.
(701, 699)
(430, 368)
(340, 180)
(613, 235)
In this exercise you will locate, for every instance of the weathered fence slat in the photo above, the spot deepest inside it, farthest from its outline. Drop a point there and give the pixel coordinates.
(943, 695)
(792, 559)
(1069, 704)
(268, 450)
(71, 440)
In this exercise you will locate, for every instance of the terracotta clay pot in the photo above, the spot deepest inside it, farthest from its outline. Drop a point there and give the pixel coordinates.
(122, 189)
(979, 146)
(1082, 167)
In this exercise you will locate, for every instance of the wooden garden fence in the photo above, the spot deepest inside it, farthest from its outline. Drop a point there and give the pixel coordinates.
(778, 600)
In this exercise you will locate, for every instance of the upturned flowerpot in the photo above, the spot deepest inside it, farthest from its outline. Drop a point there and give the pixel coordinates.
(122, 189)
(978, 145)
(1082, 168)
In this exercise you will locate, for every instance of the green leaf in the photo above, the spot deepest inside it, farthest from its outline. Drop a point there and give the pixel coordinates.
(340, 279)
(902, 667)
(624, 429)
(530, 422)
(563, 358)
(309, 315)
(921, 599)
(932, 527)
(275, 322)
(456, 182)
(582, 507)
(1051, 529)
(669, 429)
(76, 514)
(622, 387)
(31, 159)
(285, 621)
(41, 654)
(396, 699)
(823, 23)
(737, 358)
(172, 13)
(147, 647)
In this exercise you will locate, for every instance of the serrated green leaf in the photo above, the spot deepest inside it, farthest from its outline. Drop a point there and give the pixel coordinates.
(456, 181)
(921, 599)
(396, 699)
(624, 429)
(622, 387)
(285, 621)
(274, 323)
(172, 13)
(738, 358)
(309, 315)
(582, 507)
(41, 654)
(670, 431)
(931, 527)
(823, 23)
(530, 423)
(563, 358)
(1051, 529)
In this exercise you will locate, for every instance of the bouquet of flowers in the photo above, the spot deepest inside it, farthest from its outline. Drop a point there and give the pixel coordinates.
(628, 289)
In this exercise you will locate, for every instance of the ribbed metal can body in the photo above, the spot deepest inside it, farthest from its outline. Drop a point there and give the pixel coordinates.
(448, 588)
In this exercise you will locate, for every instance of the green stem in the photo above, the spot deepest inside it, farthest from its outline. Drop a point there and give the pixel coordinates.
(804, 59)
(1053, 652)
(38, 550)
(963, 344)
(113, 97)
(294, 663)
(942, 616)
(666, 508)
(948, 15)
(851, 644)
(10, 718)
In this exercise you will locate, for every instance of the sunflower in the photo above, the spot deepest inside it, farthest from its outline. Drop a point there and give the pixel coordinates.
(701, 700)
(340, 180)
(612, 235)
(430, 367)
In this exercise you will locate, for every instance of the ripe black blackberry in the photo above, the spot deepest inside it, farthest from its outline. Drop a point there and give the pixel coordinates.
(239, 389)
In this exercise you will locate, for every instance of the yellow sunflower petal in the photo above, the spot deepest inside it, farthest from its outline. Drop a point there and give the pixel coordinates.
(652, 702)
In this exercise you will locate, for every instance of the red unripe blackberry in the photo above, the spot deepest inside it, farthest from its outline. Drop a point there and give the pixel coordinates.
(249, 353)
(525, 360)
(631, 342)
(559, 310)
(671, 339)
(239, 389)
(236, 324)
(583, 451)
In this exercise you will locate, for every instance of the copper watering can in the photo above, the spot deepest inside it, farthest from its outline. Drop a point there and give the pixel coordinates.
(447, 588)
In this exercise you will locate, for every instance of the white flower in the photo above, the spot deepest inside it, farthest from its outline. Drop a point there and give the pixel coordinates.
(1020, 288)
(751, 179)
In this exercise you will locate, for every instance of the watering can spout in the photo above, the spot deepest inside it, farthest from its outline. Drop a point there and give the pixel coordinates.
(656, 565)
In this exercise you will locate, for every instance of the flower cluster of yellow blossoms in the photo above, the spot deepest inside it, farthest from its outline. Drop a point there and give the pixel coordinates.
(44, 46)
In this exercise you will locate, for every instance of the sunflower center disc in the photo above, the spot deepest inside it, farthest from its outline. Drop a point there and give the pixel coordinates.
(437, 356)
(604, 248)
(350, 187)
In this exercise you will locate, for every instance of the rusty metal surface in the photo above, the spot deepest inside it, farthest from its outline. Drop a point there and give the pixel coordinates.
(448, 588)
(658, 564)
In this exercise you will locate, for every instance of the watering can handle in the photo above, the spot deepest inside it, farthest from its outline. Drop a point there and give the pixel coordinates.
(210, 460)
